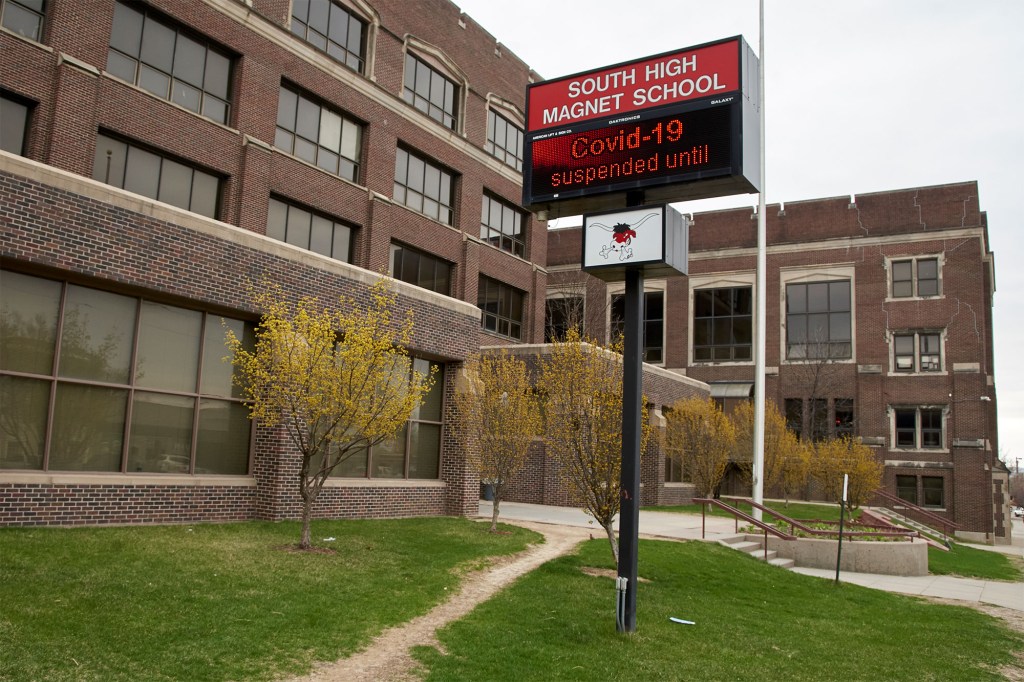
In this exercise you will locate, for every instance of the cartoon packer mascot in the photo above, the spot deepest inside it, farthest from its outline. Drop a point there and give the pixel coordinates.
(623, 235)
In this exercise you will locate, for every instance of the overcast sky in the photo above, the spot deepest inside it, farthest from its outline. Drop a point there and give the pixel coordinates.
(861, 96)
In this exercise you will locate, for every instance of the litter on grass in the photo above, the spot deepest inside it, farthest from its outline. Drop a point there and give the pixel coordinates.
(680, 620)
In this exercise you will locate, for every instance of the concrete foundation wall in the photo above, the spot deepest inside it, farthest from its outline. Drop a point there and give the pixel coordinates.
(884, 558)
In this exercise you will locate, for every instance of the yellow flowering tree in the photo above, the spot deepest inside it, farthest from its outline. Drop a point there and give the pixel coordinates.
(785, 457)
(581, 388)
(339, 381)
(701, 438)
(834, 457)
(499, 418)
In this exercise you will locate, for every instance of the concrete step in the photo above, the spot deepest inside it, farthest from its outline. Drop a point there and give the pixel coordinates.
(782, 563)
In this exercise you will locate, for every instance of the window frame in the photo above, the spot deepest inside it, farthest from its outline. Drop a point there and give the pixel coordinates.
(497, 236)
(301, 29)
(397, 273)
(445, 176)
(290, 206)
(40, 28)
(163, 158)
(834, 354)
(422, 63)
(923, 429)
(555, 302)
(288, 140)
(173, 81)
(500, 150)
(617, 327)
(916, 355)
(732, 317)
(9, 99)
(134, 383)
(506, 296)
(912, 277)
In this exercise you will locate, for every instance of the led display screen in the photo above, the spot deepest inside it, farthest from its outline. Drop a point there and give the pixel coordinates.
(677, 146)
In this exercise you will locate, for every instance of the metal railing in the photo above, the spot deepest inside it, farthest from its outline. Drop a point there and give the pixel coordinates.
(938, 523)
(883, 532)
(737, 514)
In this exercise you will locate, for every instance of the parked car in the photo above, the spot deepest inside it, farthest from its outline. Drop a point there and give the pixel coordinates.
(1018, 512)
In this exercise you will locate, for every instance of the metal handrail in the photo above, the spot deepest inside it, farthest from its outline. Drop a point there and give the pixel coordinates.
(767, 528)
(943, 523)
(794, 523)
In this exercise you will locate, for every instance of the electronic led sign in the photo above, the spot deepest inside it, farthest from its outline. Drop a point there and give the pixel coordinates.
(679, 125)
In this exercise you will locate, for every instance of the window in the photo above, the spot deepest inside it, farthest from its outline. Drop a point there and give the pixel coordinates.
(722, 324)
(137, 170)
(795, 416)
(97, 381)
(318, 135)
(13, 125)
(818, 322)
(431, 92)
(307, 230)
(653, 323)
(333, 29)
(919, 428)
(502, 308)
(917, 352)
(420, 268)
(933, 491)
(844, 418)
(906, 488)
(168, 63)
(504, 140)
(819, 419)
(915, 277)
(416, 451)
(423, 187)
(24, 17)
(673, 471)
(501, 225)
(562, 313)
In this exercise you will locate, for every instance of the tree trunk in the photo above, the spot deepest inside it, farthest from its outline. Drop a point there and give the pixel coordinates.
(494, 512)
(307, 514)
(612, 540)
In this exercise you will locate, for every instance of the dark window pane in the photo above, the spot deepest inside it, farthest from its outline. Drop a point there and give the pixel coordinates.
(217, 372)
(222, 444)
(97, 335)
(88, 428)
(22, 21)
(142, 173)
(175, 184)
(157, 45)
(796, 298)
(13, 125)
(425, 450)
(29, 308)
(160, 439)
(906, 488)
(168, 353)
(23, 422)
(126, 33)
(156, 82)
(218, 74)
(205, 188)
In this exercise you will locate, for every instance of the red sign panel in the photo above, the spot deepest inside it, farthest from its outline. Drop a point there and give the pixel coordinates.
(643, 84)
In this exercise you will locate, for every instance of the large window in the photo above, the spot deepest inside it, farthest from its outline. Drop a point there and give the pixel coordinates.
(431, 92)
(917, 352)
(24, 17)
(96, 381)
(501, 225)
(309, 230)
(653, 323)
(318, 135)
(818, 321)
(825, 418)
(722, 328)
(13, 125)
(504, 140)
(906, 488)
(160, 58)
(141, 171)
(416, 451)
(502, 308)
(918, 428)
(423, 187)
(420, 268)
(932, 490)
(915, 277)
(332, 28)
(563, 312)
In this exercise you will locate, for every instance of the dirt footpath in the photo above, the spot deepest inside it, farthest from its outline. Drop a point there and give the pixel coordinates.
(388, 658)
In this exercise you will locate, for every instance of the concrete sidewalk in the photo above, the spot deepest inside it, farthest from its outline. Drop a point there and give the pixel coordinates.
(688, 527)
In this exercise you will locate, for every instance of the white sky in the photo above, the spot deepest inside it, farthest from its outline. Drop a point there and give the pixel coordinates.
(861, 96)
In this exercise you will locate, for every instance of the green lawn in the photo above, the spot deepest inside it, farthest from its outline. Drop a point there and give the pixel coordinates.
(974, 563)
(796, 510)
(219, 602)
(753, 622)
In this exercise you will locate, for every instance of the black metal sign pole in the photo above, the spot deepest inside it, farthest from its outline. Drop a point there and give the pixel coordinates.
(632, 391)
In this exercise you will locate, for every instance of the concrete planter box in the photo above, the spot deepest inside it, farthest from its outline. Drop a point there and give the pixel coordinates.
(859, 556)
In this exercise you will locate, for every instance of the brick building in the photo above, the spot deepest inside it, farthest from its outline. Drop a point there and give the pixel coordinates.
(158, 156)
(879, 325)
